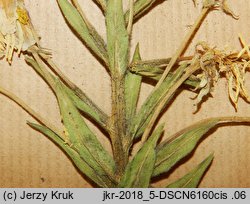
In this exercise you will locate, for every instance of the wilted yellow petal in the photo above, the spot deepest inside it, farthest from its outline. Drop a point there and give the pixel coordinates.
(203, 92)
(245, 46)
(233, 96)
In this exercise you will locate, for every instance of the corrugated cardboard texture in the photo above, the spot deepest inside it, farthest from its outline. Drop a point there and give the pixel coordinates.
(28, 159)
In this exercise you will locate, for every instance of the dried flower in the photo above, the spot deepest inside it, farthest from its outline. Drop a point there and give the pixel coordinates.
(16, 30)
(215, 64)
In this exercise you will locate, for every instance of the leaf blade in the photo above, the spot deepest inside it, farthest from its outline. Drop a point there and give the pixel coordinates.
(132, 89)
(88, 109)
(192, 179)
(145, 113)
(138, 172)
(117, 37)
(73, 155)
(80, 136)
(140, 7)
(153, 69)
(183, 143)
(83, 104)
(85, 31)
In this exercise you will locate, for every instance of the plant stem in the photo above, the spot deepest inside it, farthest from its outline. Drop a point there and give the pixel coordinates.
(29, 110)
(183, 45)
(118, 55)
(118, 122)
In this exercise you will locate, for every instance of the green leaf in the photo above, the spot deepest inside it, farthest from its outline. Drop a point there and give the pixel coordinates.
(192, 179)
(154, 69)
(84, 103)
(149, 68)
(84, 30)
(81, 137)
(138, 172)
(140, 7)
(73, 155)
(87, 107)
(182, 143)
(132, 89)
(145, 113)
(117, 37)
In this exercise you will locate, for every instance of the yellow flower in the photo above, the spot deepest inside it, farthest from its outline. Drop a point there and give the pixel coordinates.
(16, 30)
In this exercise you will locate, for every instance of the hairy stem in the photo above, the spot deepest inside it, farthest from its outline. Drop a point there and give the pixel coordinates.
(118, 122)
(118, 54)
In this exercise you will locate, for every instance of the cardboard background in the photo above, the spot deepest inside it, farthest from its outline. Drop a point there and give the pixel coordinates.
(28, 159)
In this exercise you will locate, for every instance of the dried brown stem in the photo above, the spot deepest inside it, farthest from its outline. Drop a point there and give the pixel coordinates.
(183, 45)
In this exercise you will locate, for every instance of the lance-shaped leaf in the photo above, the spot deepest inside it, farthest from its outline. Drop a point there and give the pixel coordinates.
(140, 7)
(153, 69)
(138, 172)
(144, 115)
(117, 37)
(84, 104)
(150, 68)
(88, 108)
(77, 131)
(192, 179)
(185, 141)
(72, 154)
(84, 30)
(182, 143)
(132, 89)
(80, 136)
